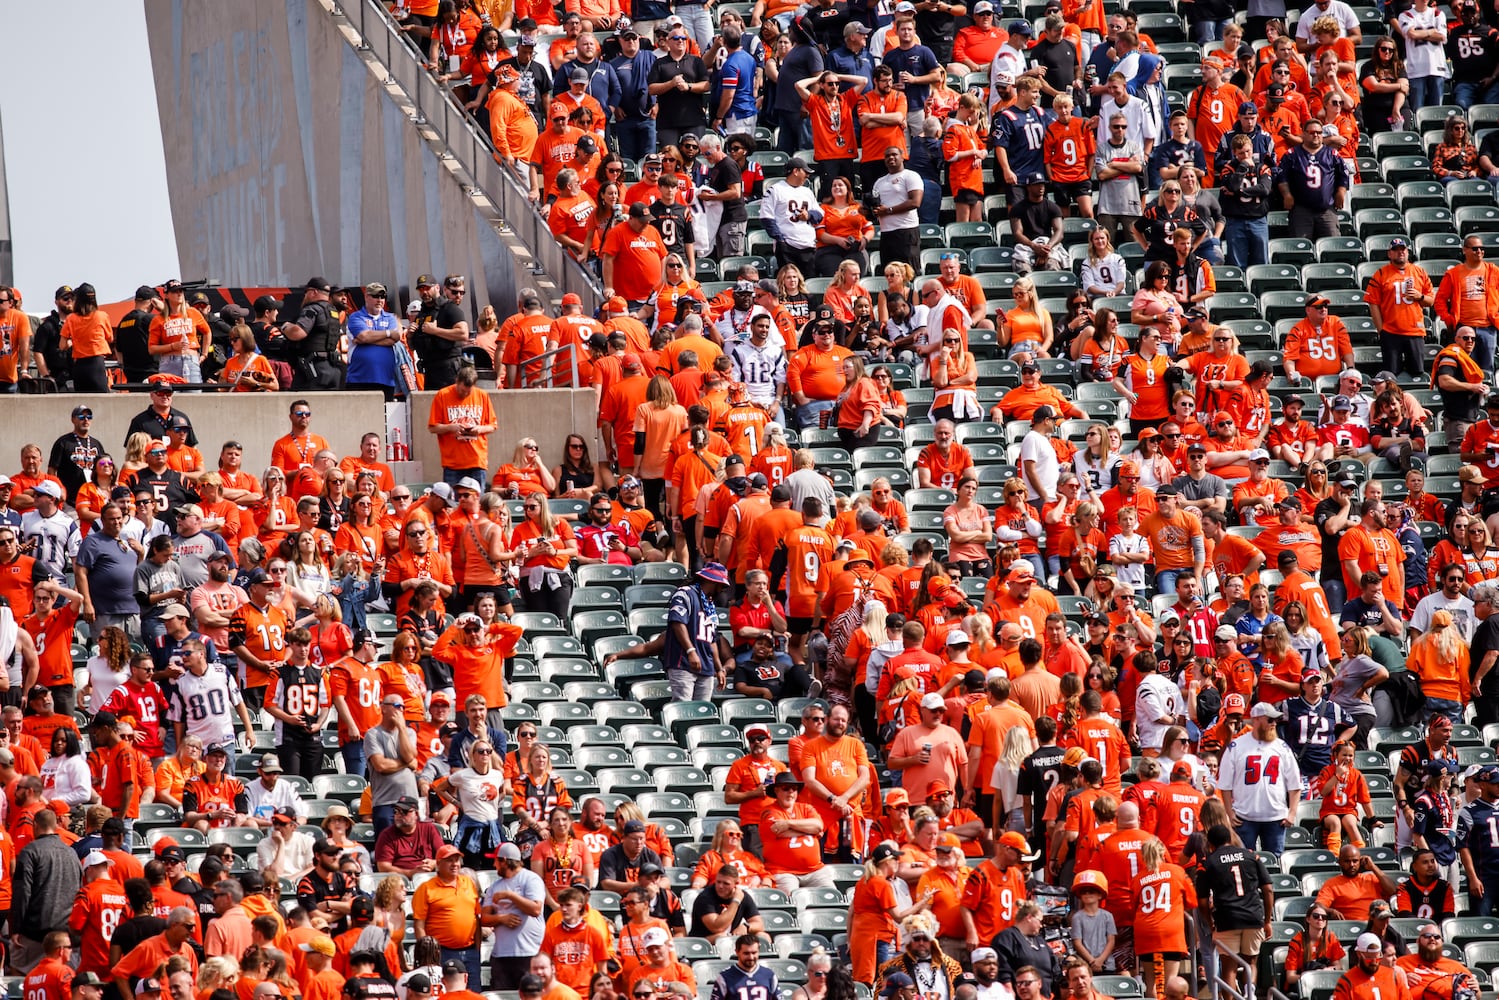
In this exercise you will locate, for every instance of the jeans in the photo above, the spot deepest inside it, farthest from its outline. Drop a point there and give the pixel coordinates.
(636, 137)
(382, 817)
(1426, 91)
(469, 957)
(1336, 593)
(1442, 706)
(1211, 250)
(1203, 32)
(152, 628)
(1483, 351)
(130, 623)
(1401, 354)
(796, 132)
(451, 477)
(353, 754)
(691, 687)
(1269, 834)
(807, 416)
(1246, 241)
(1488, 904)
(930, 210)
(1469, 93)
(1165, 581)
(699, 22)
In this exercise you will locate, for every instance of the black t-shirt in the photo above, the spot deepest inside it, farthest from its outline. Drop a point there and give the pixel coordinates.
(1039, 774)
(167, 483)
(1485, 641)
(936, 29)
(614, 865)
(769, 674)
(671, 222)
(1490, 146)
(1332, 566)
(150, 423)
(680, 108)
(73, 456)
(449, 314)
(135, 930)
(826, 23)
(131, 337)
(370, 988)
(721, 176)
(708, 904)
(1233, 876)
(1036, 216)
(1060, 63)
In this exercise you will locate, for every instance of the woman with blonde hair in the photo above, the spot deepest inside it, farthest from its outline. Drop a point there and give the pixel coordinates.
(775, 457)
(1104, 272)
(791, 289)
(841, 292)
(860, 408)
(1163, 896)
(136, 446)
(220, 972)
(900, 279)
(1440, 658)
(390, 908)
(525, 472)
(1097, 461)
(658, 421)
(1281, 664)
(983, 650)
(1008, 814)
(869, 636)
(874, 912)
(1025, 330)
(1357, 676)
(955, 378)
(728, 849)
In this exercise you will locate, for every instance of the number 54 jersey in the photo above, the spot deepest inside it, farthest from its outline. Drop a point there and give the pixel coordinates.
(1261, 777)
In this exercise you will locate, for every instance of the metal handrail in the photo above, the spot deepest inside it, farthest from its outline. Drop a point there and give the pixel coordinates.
(1221, 989)
(439, 111)
(551, 369)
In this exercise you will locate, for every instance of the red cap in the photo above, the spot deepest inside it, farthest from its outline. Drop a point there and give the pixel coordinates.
(952, 597)
(938, 787)
(162, 843)
(1234, 703)
(617, 304)
(1181, 769)
(631, 361)
(572, 299)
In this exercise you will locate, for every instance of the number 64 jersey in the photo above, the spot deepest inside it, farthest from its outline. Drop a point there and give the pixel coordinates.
(1261, 777)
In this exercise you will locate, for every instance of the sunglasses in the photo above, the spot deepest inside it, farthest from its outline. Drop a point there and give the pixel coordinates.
(301, 413)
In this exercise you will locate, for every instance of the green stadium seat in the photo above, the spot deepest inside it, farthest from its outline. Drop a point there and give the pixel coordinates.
(1463, 194)
(1399, 169)
(1292, 250)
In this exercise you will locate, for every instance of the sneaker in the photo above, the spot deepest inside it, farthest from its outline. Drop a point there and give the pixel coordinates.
(814, 690)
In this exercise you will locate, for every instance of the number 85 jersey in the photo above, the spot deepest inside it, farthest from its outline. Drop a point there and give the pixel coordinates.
(1261, 777)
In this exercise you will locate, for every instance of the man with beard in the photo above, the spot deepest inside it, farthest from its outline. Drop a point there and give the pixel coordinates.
(921, 961)
(837, 771)
(603, 540)
(1313, 723)
(214, 602)
(1368, 976)
(1428, 967)
(1425, 893)
(163, 482)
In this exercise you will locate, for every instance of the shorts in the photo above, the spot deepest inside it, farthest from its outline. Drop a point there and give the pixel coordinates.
(1244, 941)
(966, 196)
(1067, 192)
(799, 624)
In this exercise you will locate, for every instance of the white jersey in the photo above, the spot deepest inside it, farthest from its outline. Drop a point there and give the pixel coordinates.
(206, 704)
(1261, 777)
(761, 369)
(734, 326)
(1156, 698)
(54, 540)
(282, 798)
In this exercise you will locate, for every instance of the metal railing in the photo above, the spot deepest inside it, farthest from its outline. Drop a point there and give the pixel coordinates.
(1220, 987)
(438, 111)
(549, 375)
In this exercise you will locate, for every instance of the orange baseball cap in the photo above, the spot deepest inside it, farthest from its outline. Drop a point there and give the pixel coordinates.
(938, 787)
(1090, 879)
(896, 797)
(1221, 416)
(558, 110)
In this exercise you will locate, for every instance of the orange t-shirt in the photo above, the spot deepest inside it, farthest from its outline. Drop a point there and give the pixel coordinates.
(15, 329)
(829, 142)
(1374, 550)
(795, 853)
(1171, 538)
(878, 138)
(577, 952)
(479, 669)
(112, 768)
(528, 339)
(1213, 113)
(816, 373)
(661, 426)
(92, 336)
(637, 260)
(1106, 744)
(966, 174)
(456, 451)
(1162, 899)
(183, 334)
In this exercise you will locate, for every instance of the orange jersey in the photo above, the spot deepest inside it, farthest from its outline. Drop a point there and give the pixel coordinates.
(878, 138)
(1213, 113)
(1161, 901)
(361, 685)
(946, 469)
(794, 853)
(1106, 744)
(112, 769)
(966, 174)
(1318, 351)
(993, 896)
(1178, 813)
(1399, 311)
(53, 636)
(97, 912)
(808, 551)
(833, 133)
(50, 980)
(1068, 149)
(263, 633)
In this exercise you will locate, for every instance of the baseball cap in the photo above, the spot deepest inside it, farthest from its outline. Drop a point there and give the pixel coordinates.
(632, 826)
(655, 937)
(895, 982)
(1318, 300)
(1259, 455)
(86, 979)
(983, 955)
(49, 488)
(1248, 108)
(1234, 704)
(938, 787)
(756, 727)
(508, 852)
(1181, 769)
(796, 163)
(1265, 710)
(1001, 79)
(445, 493)
(1341, 403)
(147, 986)
(447, 851)
(174, 610)
(638, 210)
(1399, 243)
(897, 797)
(1020, 28)
(883, 852)
(1043, 412)
(932, 701)
(957, 637)
(557, 110)
(1017, 842)
(322, 944)
(270, 763)
(419, 983)
(1369, 942)
(95, 858)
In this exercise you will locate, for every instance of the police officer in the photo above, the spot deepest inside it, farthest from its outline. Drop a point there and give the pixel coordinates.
(442, 330)
(313, 347)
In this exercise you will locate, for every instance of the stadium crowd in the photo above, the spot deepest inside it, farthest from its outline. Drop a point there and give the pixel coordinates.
(1052, 648)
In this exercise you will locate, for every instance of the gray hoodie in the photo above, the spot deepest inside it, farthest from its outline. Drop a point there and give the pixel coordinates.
(876, 664)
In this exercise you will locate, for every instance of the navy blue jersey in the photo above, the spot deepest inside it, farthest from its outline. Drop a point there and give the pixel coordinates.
(1313, 177)
(1309, 730)
(1478, 831)
(1020, 135)
(696, 611)
(736, 984)
(1434, 820)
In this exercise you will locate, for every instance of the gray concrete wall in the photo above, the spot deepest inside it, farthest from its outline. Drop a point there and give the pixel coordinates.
(286, 159)
(548, 415)
(256, 420)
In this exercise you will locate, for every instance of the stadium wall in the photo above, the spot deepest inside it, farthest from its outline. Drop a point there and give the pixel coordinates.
(287, 158)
